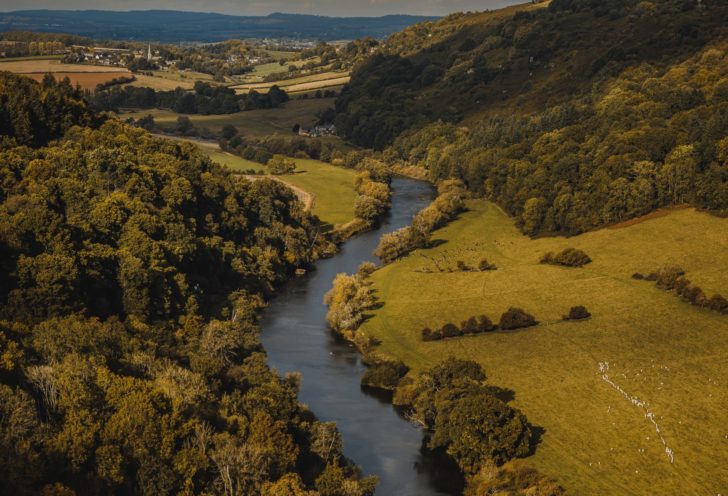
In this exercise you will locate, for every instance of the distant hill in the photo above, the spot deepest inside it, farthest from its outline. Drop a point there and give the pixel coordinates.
(172, 26)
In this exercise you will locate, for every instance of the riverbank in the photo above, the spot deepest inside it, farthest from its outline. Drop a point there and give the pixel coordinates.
(296, 337)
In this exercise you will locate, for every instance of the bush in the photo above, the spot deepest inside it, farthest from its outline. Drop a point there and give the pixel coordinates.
(672, 278)
(450, 331)
(666, 277)
(368, 208)
(718, 304)
(347, 300)
(578, 312)
(462, 266)
(483, 265)
(470, 326)
(384, 375)
(431, 335)
(485, 324)
(281, 165)
(570, 257)
(396, 244)
(637, 276)
(516, 318)
(366, 269)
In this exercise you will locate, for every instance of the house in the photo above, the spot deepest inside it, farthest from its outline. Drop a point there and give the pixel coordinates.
(318, 131)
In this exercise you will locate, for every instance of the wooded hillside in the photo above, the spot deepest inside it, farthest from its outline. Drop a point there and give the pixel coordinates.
(132, 269)
(570, 115)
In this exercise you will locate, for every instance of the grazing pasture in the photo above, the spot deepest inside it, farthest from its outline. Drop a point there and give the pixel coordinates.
(332, 189)
(631, 400)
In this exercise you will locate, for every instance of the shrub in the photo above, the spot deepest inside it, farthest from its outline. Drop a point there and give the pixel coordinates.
(429, 335)
(718, 304)
(462, 266)
(637, 276)
(279, 164)
(347, 300)
(483, 265)
(570, 257)
(470, 326)
(578, 312)
(450, 331)
(366, 269)
(693, 294)
(396, 244)
(485, 324)
(516, 318)
(368, 208)
(666, 277)
(672, 278)
(384, 375)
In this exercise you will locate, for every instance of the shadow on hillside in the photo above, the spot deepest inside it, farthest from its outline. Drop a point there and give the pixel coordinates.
(537, 433)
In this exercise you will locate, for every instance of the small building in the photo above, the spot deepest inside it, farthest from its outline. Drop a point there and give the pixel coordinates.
(318, 131)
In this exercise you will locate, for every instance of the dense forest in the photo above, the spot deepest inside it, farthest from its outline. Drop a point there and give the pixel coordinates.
(205, 99)
(33, 114)
(570, 116)
(132, 270)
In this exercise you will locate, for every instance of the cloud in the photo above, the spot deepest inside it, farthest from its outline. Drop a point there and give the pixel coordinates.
(260, 7)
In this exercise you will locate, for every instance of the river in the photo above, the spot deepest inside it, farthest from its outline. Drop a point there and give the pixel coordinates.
(296, 338)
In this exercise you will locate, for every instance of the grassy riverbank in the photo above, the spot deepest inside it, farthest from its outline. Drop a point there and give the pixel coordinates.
(660, 349)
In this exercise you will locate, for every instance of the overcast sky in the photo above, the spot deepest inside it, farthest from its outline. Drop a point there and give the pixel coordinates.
(263, 7)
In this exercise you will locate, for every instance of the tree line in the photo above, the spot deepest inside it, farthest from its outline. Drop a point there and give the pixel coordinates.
(204, 99)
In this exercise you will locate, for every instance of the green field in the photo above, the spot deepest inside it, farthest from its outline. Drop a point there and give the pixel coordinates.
(332, 189)
(233, 162)
(667, 353)
(260, 122)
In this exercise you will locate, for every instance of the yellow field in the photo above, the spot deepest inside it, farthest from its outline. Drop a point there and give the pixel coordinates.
(659, 349)
(299, 84)
(52, 65)
(86, 76)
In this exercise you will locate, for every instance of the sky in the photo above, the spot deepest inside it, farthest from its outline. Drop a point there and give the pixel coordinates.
(264, 7)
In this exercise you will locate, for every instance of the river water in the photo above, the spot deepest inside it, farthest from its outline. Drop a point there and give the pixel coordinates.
(296, 338)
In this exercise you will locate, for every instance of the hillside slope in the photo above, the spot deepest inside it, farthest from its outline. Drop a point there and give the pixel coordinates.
(570, 115)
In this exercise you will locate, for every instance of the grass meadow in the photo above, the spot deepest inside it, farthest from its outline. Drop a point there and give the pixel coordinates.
(661, 351)
(332, 188)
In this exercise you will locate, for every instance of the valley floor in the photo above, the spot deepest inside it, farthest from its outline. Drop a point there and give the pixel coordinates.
(669, 356)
